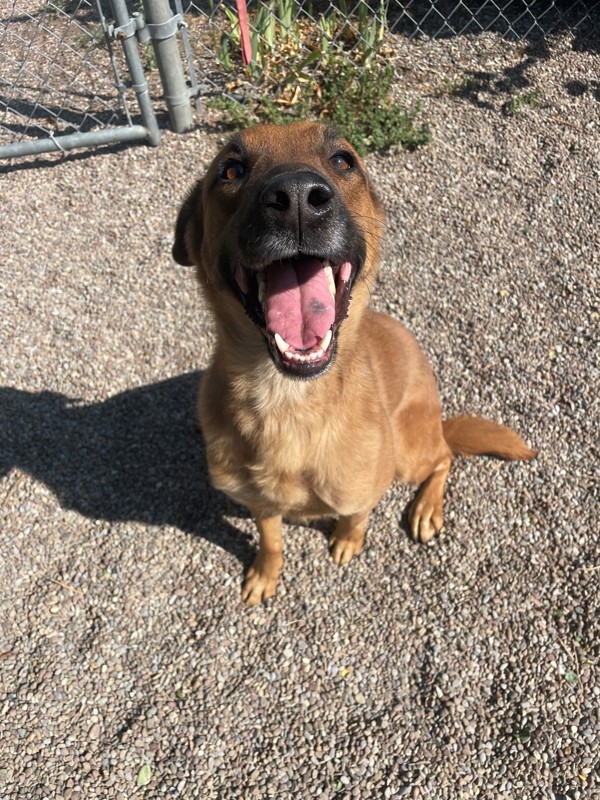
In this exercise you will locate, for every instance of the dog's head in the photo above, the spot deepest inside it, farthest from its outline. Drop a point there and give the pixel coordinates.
(286, 225)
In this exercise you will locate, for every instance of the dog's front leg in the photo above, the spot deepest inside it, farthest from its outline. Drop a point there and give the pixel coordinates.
(261, 579)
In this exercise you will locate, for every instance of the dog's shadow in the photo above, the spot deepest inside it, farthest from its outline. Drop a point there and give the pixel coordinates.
(137, 456)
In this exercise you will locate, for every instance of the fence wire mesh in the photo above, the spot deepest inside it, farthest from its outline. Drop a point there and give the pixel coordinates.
(57, 66)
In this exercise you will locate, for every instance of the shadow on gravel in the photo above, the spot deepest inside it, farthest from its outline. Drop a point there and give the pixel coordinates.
(532, 24)
(512, 19)
(480, 88)
(137, 456)
(53, 159)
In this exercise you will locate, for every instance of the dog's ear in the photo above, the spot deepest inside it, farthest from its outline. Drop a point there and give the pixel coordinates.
(191, 210)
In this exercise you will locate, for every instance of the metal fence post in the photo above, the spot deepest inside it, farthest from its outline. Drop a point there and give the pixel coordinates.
(162, 26)
(129, 42)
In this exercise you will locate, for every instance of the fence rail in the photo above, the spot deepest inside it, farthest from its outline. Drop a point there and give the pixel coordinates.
(62, 62)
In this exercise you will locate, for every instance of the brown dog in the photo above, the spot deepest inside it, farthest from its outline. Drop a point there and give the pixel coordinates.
(313, 402)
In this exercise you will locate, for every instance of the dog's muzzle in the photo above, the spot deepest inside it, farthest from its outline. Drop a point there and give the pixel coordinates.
(301, 252)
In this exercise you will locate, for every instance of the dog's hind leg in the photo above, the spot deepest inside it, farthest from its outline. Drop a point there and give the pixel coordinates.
(424, 458)
(468, 436)
(426, 515)
(347, 539)
(261, 579)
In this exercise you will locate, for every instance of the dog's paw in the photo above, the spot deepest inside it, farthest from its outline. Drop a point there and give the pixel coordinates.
(348, 537)
(343, 550)
(425, 518)
(258, 587)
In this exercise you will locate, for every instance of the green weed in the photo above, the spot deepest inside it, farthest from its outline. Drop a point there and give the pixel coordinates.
(233, 113)
(465, 87)
(333, 71)
(359, 104)
(87, 39)
(531, 99)
(148, 57)
(61, 6)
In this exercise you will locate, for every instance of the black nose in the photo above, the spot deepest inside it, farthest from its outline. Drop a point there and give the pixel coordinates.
(297, 199)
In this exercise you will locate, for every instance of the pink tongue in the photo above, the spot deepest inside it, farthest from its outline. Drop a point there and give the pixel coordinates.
(298, 305)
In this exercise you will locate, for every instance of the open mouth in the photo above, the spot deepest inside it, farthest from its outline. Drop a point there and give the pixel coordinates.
(298, 305)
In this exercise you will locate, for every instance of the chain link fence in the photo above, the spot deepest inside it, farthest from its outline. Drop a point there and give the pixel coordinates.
(61, 82)
(62, 71)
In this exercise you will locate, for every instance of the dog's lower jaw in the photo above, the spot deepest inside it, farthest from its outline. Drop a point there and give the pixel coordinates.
(302, 371)
(303, 299)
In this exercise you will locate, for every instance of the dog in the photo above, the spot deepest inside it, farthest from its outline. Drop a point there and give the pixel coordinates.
(313, 402)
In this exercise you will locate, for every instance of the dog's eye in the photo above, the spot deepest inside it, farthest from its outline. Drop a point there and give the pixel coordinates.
(342, 162)
(232, 170)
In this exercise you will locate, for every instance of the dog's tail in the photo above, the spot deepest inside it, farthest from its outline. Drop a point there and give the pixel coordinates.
(472, 436)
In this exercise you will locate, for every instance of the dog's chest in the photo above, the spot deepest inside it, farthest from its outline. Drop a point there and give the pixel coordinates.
(291, 449)
(287, 464)
(276, 460)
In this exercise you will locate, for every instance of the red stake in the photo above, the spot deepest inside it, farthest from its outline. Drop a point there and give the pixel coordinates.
(244, 32)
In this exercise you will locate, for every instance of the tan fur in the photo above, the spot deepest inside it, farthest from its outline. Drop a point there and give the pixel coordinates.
(330, 446)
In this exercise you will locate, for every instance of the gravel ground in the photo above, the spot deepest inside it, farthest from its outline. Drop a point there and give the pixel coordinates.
(466, 668)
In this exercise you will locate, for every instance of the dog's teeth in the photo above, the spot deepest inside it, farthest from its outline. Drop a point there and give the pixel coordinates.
(262, 290)
(282, 345)
(326, 341)
(330, 280)
(299, 358)
(346, 271)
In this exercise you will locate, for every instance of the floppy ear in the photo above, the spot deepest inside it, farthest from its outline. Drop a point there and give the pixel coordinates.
(190, 211)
